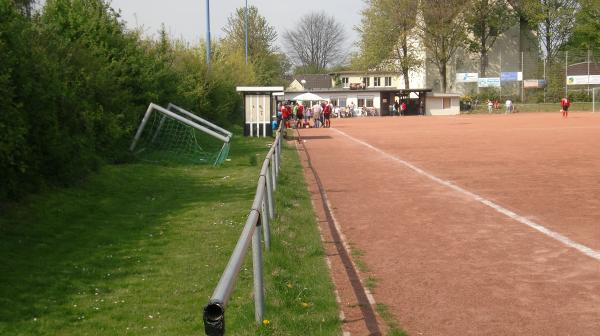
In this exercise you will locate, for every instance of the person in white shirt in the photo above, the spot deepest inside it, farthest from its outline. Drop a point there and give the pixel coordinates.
(316, 111)
(509, 105)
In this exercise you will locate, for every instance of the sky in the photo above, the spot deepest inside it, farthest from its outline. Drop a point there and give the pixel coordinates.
(186, 19)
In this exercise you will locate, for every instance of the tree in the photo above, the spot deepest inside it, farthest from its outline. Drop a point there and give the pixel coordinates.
(556, 22)
(528, 13)
(586, 32)
(317, 42)
(261, 36)
(486, 20)
(380, 20)
(443, 32)
(269, 64)
(25, 6)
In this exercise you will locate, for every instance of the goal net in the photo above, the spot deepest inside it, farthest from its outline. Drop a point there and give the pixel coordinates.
(177, 135)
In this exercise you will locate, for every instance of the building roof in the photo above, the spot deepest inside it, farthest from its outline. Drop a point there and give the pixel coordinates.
(355, 72)
(581, 69)
(315, 81)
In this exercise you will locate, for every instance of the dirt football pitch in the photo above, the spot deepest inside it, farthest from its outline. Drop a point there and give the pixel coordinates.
(461, 225)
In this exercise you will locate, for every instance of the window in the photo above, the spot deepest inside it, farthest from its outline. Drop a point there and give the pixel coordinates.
(361, 102)
(366, 81)
(341, 102)
(345, 82)
(376, 81)
(446, 103)
(388, 81)
(369, 102)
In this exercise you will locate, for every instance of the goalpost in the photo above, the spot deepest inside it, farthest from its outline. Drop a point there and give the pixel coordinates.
(594, 95)
(175, 134)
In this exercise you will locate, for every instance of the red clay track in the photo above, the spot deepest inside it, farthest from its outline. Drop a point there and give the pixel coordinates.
(446, 263)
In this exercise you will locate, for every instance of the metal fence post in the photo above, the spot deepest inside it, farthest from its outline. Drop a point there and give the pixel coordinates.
(270, 188)
(257, 266)
(273, 171)
(264, 215)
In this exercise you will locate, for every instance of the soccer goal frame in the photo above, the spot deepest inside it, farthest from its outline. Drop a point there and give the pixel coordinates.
(594, 95)
(188, 119)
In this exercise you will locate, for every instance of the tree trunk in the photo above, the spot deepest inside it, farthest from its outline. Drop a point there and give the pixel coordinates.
(483, 63)
(443, 70)
(405, 68)
(483, 57)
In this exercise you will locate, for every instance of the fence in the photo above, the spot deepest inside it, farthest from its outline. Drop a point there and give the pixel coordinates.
(528, 77)
(262, 211)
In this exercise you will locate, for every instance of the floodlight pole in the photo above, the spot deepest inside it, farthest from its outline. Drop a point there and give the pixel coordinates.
(208, 32)
(246, 24)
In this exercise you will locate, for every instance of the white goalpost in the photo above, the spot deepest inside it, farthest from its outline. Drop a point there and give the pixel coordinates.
(594, 95)
(177, 134)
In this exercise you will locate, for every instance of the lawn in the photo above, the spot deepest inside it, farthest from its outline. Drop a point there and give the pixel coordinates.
(541, 107)
(138, 249)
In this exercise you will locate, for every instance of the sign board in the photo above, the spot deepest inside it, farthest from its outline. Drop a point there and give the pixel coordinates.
(467, 77)
(489, 82)
(583, 80)
(511, 76)
(534, 83)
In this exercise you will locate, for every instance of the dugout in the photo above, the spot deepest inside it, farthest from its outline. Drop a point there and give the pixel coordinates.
(415, 100)
(259, 107)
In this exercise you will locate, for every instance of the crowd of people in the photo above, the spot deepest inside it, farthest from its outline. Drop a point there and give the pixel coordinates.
(296, 115)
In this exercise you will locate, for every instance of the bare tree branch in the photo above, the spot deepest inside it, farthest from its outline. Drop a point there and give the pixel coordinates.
(317, 42)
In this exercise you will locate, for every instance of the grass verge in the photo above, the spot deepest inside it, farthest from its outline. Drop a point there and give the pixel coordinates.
(138, 249)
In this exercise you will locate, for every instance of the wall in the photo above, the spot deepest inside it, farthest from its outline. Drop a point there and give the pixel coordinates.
(434, 106)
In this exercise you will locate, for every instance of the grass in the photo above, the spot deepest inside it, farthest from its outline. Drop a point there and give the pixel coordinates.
(138, 249)
(541, 107)
(394, 329)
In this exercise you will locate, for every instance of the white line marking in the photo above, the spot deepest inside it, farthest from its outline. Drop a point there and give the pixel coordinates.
(554, 235)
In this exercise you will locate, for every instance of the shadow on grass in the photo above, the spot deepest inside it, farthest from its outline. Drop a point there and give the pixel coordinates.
(87, 239)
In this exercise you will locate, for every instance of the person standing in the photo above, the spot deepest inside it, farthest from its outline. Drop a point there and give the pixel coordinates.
(327, 114)
(508, 105)
(490, 105)
(299, 115)
(351, 109)
(565, 103)
(403, 108)
(316, 112)
(307, 116)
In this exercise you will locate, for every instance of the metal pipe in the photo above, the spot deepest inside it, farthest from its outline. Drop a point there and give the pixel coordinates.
(189, 122)
(246, 23)
(227, 281)
(566, 74)
(138, 134)
(199, 119)
(257, 265)
(264, 208)
(270, 205)
(273, 173)
(208, 51)
(214, 311)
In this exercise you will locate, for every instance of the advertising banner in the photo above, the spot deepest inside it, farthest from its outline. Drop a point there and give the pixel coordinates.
(577, 80)
(489, 82)
(466, 77)
(511, 76)
(534, 83)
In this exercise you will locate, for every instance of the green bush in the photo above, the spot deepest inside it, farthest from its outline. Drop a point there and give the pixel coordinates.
(74, 84)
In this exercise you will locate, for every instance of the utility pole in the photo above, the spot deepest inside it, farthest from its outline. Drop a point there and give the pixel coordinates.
(208, 32)
(246, 20)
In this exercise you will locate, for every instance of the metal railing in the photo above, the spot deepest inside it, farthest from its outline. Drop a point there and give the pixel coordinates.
(262, 211)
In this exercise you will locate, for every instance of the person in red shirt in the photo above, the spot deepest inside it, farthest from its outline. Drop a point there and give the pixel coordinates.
(285, 114)
(327, 114)
(299, 115)
(564, 104)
